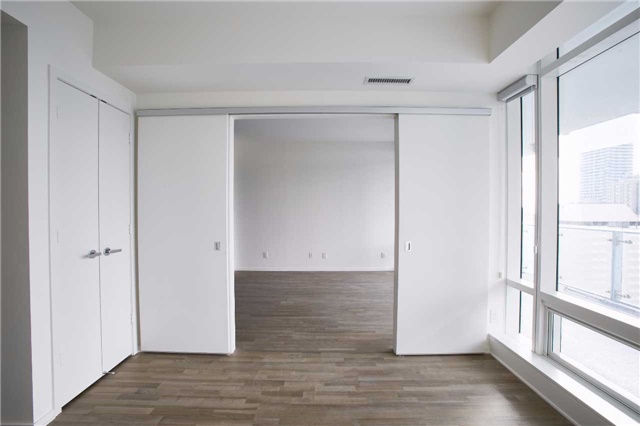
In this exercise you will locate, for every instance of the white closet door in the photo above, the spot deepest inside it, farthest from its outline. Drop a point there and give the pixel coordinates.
(115, 263)
(184, 288)
(74, 233)
(443, 211)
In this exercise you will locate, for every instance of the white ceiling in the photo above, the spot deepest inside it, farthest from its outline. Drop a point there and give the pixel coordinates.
(109, 12)
(468, 46)
(317, 129)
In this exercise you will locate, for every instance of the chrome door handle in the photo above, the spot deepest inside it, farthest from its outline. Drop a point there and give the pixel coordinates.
(93, 254)
(109, 251)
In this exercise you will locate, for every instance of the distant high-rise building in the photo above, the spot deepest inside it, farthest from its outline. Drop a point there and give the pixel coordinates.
(627, 191)
(601, 173)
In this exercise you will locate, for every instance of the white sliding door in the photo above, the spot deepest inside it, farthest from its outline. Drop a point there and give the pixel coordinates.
(115, 263)
(75, 274)
(443, 212)
(185, 286)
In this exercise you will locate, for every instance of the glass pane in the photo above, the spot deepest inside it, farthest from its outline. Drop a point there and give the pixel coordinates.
(513, 311)
(519, 313)
(528, 188)
(599, 179)
(585, 254)
(611, 363)
(526, 315)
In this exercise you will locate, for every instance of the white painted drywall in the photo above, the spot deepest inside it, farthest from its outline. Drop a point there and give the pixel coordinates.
(316, 46)
(497, 221)
(326, 46)
(319, 185)
(0, 222)
(443, 211)
(184, 282)
(510, 20)
(62, 36)
(315, 98)
(16, 344)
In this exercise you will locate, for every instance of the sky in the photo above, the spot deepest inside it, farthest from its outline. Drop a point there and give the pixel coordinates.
(599, 107)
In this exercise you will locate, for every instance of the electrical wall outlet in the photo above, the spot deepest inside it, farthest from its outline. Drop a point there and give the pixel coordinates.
(265, 254)
(310, 255)
(382, 255)
(324, 255)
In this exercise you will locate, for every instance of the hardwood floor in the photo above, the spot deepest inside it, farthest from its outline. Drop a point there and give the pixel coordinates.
(336, 369)
(318, 311)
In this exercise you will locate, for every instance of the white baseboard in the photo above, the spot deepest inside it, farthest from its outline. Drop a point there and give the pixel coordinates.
(314, 269)
(47, 418)
(575, 400)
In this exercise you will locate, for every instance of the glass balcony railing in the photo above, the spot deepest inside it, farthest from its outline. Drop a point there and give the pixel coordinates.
(601, 264)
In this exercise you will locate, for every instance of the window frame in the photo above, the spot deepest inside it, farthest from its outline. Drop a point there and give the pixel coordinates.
(603, 320)
(593, 380)
(549, 300)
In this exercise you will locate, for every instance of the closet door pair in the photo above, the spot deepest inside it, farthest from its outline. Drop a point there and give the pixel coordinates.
(90, 239)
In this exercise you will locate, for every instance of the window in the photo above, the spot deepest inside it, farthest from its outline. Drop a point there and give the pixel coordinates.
(519, 313)
(521, 148)
(599, 179)
(528, 189)
(573, 209)
(611, 364)
(589, 284)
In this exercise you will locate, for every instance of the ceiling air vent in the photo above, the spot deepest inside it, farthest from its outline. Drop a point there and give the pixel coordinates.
(402, 81)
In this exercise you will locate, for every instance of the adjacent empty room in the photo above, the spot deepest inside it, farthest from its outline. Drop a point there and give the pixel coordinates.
(315, 232)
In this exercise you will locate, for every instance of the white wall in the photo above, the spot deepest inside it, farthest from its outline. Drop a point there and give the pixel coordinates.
(497, 222)
(323, 185)
(315, 98)
(59, 35)
(510, 20)
(0, 226)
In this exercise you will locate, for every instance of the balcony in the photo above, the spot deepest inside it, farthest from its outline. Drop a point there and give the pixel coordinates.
(598, 263)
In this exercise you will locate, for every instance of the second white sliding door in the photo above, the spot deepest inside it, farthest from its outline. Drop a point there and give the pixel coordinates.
(183, 198)
(443, 234)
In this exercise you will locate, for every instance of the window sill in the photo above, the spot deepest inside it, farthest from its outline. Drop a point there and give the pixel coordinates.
(522, 285)
(504, 347)
(606, 320)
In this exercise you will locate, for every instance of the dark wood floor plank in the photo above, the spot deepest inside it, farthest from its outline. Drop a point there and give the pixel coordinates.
(313, 349)
(319, 311)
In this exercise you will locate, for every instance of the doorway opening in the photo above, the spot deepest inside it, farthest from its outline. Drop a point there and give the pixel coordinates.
(314, 232)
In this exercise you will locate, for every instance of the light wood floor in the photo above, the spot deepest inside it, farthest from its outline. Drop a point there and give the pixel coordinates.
(336, 368)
